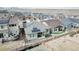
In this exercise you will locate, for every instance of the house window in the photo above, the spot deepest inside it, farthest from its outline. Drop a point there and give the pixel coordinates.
(9, 25)
(2, 27)
(50, 31)
(39, 34)
(55, 29)
(72, 25)
(1, 35)
(12, 25)
(47, 30)
(60, 29)
(31, 35)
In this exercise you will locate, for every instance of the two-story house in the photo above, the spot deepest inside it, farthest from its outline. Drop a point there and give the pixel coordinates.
(4, 28)
(14, 27)
(35, 30)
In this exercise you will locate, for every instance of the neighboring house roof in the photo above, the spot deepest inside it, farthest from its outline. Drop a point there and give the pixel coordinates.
(67, 22)
(13, 20)
(74, 20)
(4, 21)
(53, 23)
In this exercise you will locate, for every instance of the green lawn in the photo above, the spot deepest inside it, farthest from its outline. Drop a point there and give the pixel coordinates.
(58, 32)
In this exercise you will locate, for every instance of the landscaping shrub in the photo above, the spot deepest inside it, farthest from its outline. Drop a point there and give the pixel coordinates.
(78, 31)
(47, 35)
(72, 34)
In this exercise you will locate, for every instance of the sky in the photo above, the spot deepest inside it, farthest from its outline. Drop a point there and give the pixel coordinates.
(39, 3)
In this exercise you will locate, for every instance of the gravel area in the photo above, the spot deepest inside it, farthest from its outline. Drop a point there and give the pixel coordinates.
(65, 43)
(39, 48)
(7, 46)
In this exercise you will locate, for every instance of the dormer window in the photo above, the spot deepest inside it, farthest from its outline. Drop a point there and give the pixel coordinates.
(34, 18)
(23, 18)
(1, 27)
(35, 30)
(12, 25)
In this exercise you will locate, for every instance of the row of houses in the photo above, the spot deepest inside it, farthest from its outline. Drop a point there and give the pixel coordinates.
(52, 26)
(37, 29)
(33, 28)
(41, 29)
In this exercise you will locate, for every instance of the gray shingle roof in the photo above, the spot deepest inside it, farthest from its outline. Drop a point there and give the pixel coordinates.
(67, 21)
(13, 21)
(53, 23)
(4, 21)
(74, 20)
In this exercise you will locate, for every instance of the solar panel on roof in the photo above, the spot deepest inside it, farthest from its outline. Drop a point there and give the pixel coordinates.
(35, 30)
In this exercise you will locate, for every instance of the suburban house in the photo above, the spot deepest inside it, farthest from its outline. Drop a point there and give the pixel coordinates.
(55, 25)
(40, 29)
(23, 20)
(76, 21)
(35, 30)
(9, 29)
(14, 27)
(69, 23)
(4, 28)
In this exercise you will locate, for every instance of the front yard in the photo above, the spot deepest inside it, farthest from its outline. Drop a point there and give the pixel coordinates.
(7, 46)
(65, 43)
(59, 32)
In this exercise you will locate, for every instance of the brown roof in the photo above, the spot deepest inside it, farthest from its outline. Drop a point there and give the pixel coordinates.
(53, 23)
(13, 20)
